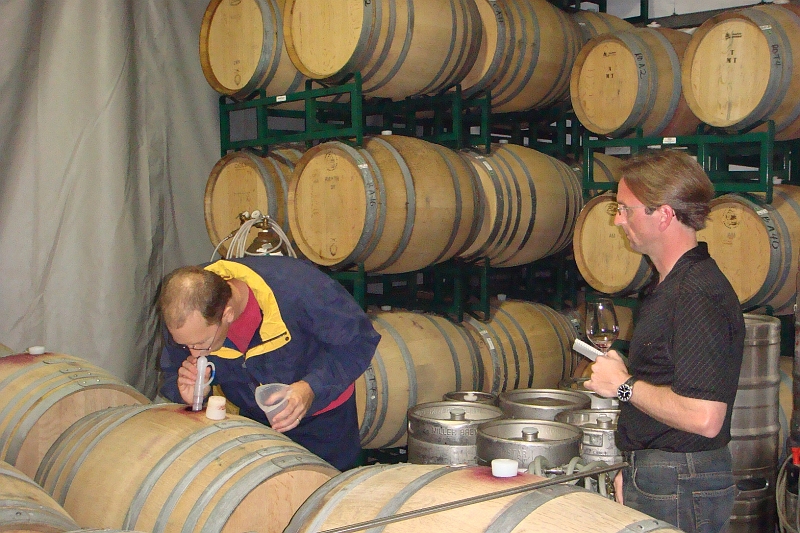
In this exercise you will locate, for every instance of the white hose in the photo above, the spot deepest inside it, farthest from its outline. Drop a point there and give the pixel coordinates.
(238, 245)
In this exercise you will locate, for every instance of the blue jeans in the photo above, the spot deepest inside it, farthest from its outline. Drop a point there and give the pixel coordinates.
(692, 491)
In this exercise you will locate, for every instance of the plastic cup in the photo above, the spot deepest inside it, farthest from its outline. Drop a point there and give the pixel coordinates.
(263, 394)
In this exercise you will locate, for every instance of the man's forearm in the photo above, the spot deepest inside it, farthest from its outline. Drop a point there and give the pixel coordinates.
(702, 417)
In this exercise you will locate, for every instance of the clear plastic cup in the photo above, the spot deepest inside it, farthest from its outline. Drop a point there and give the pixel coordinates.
(263, 394)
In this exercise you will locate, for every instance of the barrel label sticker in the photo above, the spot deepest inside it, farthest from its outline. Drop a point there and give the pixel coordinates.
(765, 27)
(669, 140)
(490, 343)
(362, 166)
(762, 212)
(281, 98)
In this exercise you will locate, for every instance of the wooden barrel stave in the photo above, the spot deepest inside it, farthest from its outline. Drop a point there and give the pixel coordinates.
(386, 490)
(420, 358)
(43, 395)
(189, 472)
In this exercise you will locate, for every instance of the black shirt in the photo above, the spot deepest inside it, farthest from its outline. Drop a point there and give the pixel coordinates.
(689, 335)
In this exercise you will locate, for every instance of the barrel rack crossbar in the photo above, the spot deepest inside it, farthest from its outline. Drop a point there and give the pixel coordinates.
(345, 113)
(773, 160)
(446, 288)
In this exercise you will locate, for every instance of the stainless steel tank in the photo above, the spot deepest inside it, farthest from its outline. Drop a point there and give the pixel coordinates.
(541, 404)
(444, 433)
(598, 427)
(524, 440)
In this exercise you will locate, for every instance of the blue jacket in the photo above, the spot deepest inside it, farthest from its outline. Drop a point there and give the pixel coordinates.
(312, 330)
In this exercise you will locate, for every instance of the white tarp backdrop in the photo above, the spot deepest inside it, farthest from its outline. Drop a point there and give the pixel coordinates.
(108, 132)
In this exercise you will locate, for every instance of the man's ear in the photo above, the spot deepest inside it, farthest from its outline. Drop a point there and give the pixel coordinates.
(227, 314)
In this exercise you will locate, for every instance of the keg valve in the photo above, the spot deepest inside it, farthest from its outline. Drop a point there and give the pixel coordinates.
(530, 434)
(457, 414)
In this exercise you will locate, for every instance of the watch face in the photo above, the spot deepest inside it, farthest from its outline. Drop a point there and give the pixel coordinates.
(624, 392)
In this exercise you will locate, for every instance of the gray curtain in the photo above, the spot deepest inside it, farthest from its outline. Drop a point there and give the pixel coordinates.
(108, 132)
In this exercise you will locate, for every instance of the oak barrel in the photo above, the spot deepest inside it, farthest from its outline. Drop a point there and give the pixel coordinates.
(398, 204)
(377, 491)
(531, 202)
(593, 23)
(632, 79)
(420, 358)
(486, 69)
(522, 345)
(401, 48)
(602, 252)
(741, 67)
(26, 507)
(242, 49)
(757, 246)
(163, 467)
(244, 181)
(42, 395)
(542, 43)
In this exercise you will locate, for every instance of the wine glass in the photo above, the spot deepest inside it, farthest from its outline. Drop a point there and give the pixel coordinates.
(602, 327)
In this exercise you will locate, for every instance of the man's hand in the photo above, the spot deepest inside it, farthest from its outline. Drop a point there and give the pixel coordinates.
(298, 400)
(608, 373)
(187, 375)
(618, 488)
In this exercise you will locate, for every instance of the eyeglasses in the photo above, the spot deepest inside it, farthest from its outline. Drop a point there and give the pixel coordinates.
(193, 347)
(625, 209)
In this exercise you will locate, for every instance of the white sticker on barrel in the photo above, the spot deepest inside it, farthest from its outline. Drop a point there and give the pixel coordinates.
(765, 27)
(487, 165)
(363, 166)
(490, 343)
(761, 212)
(669, 140)
(281, 98)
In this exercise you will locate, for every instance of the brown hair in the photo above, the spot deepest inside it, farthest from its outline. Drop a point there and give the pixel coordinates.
(189, 289)
(673, 178)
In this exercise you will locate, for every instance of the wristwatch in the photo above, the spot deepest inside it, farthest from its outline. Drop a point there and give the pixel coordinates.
(625, 391)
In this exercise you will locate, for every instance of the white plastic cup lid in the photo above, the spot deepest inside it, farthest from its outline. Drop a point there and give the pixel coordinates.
(504, 467)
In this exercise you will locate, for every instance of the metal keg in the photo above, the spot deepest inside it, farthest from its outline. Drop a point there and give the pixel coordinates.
(444, 433)
(471, 396)
(541, 404)
(524, 440)
(598, 426)
(598, 402)
(755, 426)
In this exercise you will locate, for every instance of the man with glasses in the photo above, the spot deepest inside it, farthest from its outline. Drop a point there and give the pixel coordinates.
(271, 319)
(676, 396)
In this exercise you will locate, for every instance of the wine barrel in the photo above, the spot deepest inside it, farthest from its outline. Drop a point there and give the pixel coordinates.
(42, 395)
(242, 49)
(632, 79)
(485, 70)
(401, 49)
(523, 345)
(593, 23)
(378, 491)
(542, 43)
(531, 202)
(244, 181)
(602, 252)
(25, 507)
(757, 246)
(741, 67)
(420, 358)
(408, 204)
(163, 467)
